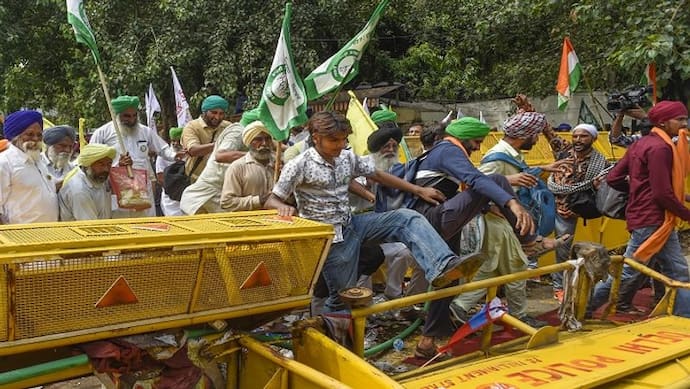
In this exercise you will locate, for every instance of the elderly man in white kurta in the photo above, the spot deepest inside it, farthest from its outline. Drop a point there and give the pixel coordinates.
(27, 190)
(138, 140)
(85, 193)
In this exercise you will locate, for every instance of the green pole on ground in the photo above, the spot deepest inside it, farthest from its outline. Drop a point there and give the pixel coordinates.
(42, 369)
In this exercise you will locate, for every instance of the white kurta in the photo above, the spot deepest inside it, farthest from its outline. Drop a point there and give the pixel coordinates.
(81, 199)
(27, 190)
(138, 143)
(58, 174)
(169, 206)
(205, 192)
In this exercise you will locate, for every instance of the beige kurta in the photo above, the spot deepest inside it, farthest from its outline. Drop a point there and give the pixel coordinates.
(246, 180)
(196, 132)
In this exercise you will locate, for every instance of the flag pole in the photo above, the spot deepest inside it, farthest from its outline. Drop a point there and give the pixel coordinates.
(279, 156)
(591, 95)
(338, 90)
(116, 126)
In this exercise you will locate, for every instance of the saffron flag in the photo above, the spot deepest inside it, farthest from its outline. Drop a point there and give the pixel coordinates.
(491, 312)
(181, 105)
(152, 106)
(76, 16)
(362, 125)
(283, 102)
(343, 66)
(569, 74)
(649, 78)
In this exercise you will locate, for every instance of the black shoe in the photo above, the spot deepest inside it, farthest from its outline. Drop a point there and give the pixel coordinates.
(533, 322)
(458, 315)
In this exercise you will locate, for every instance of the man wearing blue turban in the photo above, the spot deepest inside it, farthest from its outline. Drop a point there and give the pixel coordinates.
(27, 190)
(139, 141)
(199, 135)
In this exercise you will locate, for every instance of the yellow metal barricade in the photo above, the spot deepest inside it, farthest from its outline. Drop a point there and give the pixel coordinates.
(87, 280)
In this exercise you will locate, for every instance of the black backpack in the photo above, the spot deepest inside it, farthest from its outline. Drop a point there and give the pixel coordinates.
(175, 180)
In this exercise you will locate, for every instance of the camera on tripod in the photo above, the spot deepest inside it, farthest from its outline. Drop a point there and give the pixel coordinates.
(630, 98)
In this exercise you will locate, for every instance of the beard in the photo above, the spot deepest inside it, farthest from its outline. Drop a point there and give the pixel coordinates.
(127, 129)
(384, 162)
(582, 147)
(60, 160)
(31, 149)
(261, 155)
(99, 178)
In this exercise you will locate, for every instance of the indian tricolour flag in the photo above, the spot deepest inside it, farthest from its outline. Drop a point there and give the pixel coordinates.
(283, 102)
(649, 78)
(569, 74)
(80, 23)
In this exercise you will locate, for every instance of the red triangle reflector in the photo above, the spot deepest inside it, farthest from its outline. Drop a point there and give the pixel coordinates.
(258, 277)
(119, 293)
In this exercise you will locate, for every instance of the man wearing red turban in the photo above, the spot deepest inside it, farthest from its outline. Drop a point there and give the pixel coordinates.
(653, 171)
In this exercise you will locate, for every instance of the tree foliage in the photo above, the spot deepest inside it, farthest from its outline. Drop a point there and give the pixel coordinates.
(442, 51)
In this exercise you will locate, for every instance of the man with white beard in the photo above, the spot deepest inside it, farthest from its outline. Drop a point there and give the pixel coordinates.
(59, 141)
(383, 147)
(85, 193)
(138, 141)
(27, 190)
(249, 180)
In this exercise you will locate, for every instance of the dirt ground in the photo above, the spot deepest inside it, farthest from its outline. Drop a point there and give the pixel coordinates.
(540, 300)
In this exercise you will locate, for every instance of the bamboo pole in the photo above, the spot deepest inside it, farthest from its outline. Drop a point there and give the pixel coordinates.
(113, 117)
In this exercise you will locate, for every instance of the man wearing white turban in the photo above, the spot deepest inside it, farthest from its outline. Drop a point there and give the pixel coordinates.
(85, 193)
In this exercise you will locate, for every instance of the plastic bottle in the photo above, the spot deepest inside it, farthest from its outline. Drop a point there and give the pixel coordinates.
(398, 344)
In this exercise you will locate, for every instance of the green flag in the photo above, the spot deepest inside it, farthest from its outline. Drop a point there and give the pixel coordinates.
(77, 18)
(283, 102)
(343, 66)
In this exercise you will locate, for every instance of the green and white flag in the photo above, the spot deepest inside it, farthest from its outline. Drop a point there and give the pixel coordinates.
(343, 66)
(80, 23)
(283, 102)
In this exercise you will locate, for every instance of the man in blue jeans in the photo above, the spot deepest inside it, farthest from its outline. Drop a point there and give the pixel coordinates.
(319, 179)
(653, 171)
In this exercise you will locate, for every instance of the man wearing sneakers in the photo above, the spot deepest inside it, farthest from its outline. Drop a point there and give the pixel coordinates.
(319, 180)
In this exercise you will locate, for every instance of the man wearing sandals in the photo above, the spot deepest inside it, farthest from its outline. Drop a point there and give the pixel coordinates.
(448, 168)
(504, 255)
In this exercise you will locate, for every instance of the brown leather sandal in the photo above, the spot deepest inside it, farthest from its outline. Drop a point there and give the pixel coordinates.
(425, 353)
(537, 248)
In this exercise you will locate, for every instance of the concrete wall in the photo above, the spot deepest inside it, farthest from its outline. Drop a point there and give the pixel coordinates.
(496, 111)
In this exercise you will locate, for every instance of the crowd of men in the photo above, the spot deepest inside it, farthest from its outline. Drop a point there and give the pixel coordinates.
(231, 167)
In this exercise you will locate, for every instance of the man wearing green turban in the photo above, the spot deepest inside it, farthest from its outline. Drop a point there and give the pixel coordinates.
(199, 135)
(138, 141)
(168, 206)
(448, 168)
(121, 103)
(383, 115)
(84, 194)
